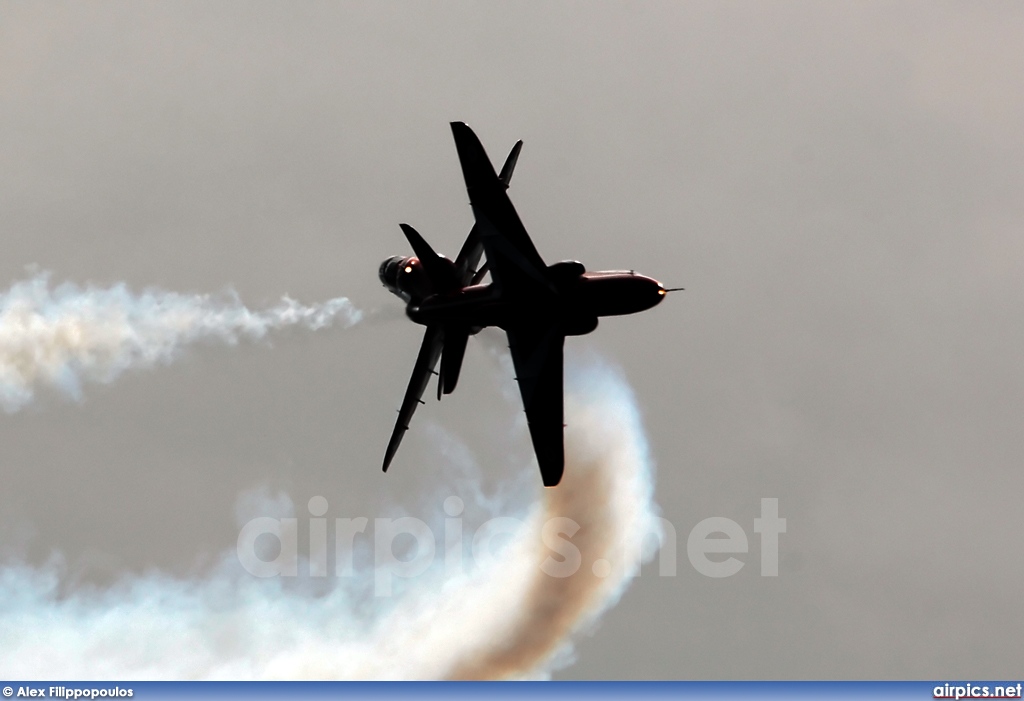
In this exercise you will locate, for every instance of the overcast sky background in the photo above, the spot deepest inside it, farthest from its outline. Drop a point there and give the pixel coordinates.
(838, 186)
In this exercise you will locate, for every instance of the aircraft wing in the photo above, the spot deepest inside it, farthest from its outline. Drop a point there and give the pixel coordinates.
(425, 362)
(537, 356)
(514, 263)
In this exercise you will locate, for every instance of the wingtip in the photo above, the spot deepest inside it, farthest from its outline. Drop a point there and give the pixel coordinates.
(477, 168)
(551, 477)
(462, 132)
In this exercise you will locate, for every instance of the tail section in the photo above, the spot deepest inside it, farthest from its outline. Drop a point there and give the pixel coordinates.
(440, 271)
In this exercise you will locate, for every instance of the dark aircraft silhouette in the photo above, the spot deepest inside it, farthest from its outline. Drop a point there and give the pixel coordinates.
(537, 305)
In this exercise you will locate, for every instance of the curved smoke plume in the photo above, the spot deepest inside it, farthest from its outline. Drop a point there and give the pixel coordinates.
(607, 492)
(60, 337)
(510, 615)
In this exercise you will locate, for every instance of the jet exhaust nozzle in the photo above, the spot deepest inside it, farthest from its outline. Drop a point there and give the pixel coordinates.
(405, 277)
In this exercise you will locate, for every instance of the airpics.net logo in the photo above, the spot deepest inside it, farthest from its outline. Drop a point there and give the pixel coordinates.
(407, 547)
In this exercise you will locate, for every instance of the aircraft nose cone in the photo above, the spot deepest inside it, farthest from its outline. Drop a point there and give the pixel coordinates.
(650, 292)
(662, 292)
(653, 289)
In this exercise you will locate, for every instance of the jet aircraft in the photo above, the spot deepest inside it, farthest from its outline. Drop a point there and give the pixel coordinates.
(537, 305)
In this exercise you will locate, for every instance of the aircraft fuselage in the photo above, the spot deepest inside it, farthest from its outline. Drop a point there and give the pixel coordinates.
(576, 303)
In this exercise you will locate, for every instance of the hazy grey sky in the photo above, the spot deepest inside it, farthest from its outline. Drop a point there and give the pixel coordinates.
(838, 186)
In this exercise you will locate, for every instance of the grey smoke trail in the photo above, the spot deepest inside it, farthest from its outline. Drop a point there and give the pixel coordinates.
(502, 617)
(60, 337)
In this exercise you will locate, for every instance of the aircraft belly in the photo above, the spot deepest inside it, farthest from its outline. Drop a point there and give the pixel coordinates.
(469, 310)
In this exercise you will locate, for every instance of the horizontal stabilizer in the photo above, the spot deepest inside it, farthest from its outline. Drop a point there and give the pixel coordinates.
(510, 164)
(455, 339)
(469, 256)
(430, 349)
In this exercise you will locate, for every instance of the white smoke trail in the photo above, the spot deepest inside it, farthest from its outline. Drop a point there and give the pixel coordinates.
(608, 492)
(503, 617)
(60, 337)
